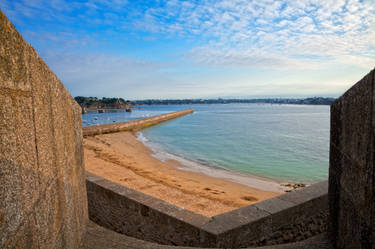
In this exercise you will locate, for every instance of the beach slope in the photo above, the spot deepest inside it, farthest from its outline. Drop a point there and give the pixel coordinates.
(121, 158)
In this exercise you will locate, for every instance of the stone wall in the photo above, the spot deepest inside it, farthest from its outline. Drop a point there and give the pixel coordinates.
(287, 218)
(43, 201)
(351, 171)
(133, 125)
(141, 216)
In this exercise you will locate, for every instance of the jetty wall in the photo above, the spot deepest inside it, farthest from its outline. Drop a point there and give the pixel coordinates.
(43, 201)
(287, 218)
(352, 167)
(133, 125)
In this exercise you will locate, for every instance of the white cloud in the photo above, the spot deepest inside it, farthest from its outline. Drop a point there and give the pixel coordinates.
(283, 29)
(305, 37)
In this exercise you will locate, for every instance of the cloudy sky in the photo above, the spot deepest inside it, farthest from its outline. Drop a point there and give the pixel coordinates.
(201, 49)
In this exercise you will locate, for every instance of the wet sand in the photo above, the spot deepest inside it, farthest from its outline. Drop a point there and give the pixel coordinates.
(121, 158)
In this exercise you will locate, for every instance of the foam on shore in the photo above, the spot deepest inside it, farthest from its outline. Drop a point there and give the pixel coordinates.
(252, 181)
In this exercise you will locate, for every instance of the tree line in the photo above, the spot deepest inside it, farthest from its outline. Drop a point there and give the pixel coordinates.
(103, 103)
(305, 101)
(120, 103)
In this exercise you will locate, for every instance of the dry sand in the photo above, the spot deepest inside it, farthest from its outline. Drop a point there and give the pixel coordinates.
(121, 158)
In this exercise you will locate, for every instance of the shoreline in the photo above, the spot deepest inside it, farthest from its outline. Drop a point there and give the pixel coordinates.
(123, 159)
(247, 179)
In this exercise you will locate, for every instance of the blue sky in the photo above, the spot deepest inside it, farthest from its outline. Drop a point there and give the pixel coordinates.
(201, 49)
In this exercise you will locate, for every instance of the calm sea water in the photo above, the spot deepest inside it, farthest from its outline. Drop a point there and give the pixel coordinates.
(282, 142)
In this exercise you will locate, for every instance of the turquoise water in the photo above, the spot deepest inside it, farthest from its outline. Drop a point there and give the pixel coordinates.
(282, 142)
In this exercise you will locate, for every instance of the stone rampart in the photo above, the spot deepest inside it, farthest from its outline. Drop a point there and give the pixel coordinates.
(352, 171)
(133, 125)
(287, 218)
(43, 201)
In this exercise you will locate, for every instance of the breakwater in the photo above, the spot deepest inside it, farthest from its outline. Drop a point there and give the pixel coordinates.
(132, 125)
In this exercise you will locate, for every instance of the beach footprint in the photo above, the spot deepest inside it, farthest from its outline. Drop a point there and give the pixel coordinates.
(249, 198)
(126, 179)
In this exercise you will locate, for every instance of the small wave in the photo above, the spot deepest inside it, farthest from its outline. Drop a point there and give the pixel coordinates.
(141, 137)
(212, 170)
(159, 153)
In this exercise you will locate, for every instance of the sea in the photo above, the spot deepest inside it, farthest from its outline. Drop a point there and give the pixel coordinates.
(285, 143)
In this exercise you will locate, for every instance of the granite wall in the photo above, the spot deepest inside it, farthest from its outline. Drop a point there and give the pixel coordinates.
(351, 171)
(287, 218)
(133, 125)
(43, 201)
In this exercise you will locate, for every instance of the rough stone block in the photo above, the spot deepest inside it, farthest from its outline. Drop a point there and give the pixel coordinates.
(349, 223)
(42, 192)
(43, 125)
(228, 221)
(133, 213)
(356, 122)
(307, 194)
(351, 173)
(26, 155)
(26, 236)
(49, 220)
(13, 57)
(274, 205)
(280, 211)
(239, 228)
(11, 209)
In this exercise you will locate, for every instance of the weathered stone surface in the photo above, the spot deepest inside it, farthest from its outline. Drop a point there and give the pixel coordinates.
(99, 237)
(42, 192)
(290, 217)
(287, 218)
(133, 213)
(11, 211)
(351, 173)
(14, 70)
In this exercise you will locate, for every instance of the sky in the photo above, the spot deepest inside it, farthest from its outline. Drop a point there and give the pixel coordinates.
(169, 49)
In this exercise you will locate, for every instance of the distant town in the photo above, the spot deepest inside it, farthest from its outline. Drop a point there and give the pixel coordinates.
(120, 103)
(306, 101)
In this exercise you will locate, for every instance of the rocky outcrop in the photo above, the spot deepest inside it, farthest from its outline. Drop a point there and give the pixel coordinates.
(43, 202)
(93, 103)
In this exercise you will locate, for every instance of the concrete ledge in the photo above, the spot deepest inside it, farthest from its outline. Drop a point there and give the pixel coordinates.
(141, 216)
(98, 237)
(132, 125)
(287, 218)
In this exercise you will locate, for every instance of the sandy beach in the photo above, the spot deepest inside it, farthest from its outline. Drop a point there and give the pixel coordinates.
(123, 159)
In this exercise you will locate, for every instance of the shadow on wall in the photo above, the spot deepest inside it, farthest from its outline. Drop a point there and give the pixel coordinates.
(43, 201)
(351, 171)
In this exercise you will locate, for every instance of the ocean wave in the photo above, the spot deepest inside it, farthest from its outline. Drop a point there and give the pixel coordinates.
(212, 170)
